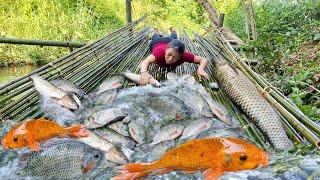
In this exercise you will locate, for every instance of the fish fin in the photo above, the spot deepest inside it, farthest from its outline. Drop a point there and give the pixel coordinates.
(161, 171)
(190, 172)
(130, 168)
(174, 133)
(202, 128)
(116, 85)
(222, 117)
(77, 131)
(212, 173)
(34, 145)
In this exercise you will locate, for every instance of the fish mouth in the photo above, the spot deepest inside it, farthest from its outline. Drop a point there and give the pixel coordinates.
(264, 161)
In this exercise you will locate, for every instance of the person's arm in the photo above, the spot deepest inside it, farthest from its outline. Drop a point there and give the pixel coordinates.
(145, 76)
(203, 62)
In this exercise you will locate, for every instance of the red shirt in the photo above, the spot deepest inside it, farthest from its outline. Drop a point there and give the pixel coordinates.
(159, 53)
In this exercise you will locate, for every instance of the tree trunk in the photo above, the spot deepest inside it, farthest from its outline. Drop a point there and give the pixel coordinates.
(226, 33)
(221, 19)
(245, 12)
(212, 12)
(253, 23)
(128, 11)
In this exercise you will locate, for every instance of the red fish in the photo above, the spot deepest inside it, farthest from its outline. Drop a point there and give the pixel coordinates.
(30, 132)
(214, 156)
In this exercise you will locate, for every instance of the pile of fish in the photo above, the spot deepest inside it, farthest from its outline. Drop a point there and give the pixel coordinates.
(137, 124)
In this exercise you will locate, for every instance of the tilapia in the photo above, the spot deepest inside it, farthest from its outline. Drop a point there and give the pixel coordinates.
(166, 133)
(196, 127)
(68, 86)
(110, 83)
(115, 138)
(67, 159)
(136, 78)
(120, 128)
(47, 89)
(105, 98)
(217, 109)
(111, 152)
(244, 93)
(58, 113)
(99, 118)
(151, 108)
(137, 132)
(194, 101)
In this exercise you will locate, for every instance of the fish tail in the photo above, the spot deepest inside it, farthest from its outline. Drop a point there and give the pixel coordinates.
(77, 131)
(132, 171)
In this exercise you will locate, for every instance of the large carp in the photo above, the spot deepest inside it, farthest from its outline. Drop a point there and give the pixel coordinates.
(244, 93)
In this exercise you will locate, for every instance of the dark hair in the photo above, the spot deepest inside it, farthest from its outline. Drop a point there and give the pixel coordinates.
(177, 45)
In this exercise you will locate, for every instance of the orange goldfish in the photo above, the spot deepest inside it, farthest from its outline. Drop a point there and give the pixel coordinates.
(30, 132)
(214, 156)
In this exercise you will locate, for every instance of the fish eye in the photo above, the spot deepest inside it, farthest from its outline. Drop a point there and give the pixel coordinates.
(15, 138)
(96, 155)
(243, 157)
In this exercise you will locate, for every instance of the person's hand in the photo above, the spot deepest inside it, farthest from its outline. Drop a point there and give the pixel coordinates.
(144, 79)
(203, 73)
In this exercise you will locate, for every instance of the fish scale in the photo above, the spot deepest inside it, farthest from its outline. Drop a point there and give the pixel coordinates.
(64, 159)
(244, 94)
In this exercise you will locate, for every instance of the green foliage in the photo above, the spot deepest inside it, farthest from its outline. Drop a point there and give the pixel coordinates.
(302, 88)
(81, 20)
(283, 25)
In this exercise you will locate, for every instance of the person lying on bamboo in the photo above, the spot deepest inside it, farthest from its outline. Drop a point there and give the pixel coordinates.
(169, 52)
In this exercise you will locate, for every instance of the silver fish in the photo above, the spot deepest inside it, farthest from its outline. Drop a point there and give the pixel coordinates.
(68, 159)
(54, 111)
(196, 127)
(217, 109)
(68, 86)
(166, 133)
(111, 152)
(106, 97)
(46, 89)
(120, 128)
(136, 78)
(110, 83)
(196, 103)
(137, 132)
(99, 118)
(115, 138)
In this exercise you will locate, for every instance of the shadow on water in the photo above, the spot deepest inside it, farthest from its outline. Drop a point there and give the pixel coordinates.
(8, 74)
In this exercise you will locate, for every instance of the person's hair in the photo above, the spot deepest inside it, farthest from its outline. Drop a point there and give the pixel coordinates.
(177, 45)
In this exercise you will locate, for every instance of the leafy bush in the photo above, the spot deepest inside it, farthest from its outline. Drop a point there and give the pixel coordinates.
(283, 26)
